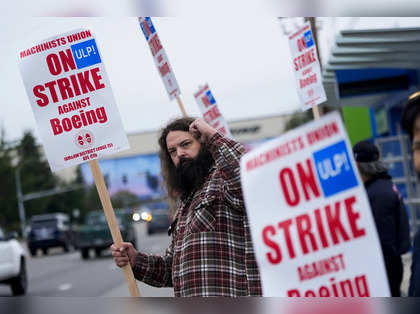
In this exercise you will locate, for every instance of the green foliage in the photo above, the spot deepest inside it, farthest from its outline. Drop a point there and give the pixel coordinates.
(299, 118)
(35, 175)
(8, 212)
(124, 199)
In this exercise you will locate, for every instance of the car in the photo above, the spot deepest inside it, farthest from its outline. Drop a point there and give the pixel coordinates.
(157, 217)
(49, 230)
(13, 264)
(95, 235)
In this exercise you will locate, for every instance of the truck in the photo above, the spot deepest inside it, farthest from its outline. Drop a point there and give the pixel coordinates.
(94, 234)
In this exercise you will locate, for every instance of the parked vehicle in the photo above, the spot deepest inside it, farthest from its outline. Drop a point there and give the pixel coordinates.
(13, 264)
(94, 234)
(49, 230)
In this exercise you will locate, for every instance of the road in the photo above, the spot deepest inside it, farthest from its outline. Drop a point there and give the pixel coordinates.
(66, 275)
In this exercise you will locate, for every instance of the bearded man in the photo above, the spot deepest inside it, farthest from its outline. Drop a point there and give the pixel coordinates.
(211, 253)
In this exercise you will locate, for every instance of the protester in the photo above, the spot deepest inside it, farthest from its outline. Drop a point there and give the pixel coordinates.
(410, 122)
(211, 253)
(388, 211)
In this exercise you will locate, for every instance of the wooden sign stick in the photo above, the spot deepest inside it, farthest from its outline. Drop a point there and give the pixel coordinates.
(181, 106)
(112, 223)
(315, 111)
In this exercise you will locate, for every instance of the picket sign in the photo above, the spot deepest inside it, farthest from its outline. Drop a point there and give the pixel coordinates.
(161, 61)
(74, 107)
(307, 69)
(311, 224)
(210, 110)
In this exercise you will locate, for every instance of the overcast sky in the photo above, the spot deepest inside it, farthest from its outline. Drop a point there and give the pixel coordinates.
(246, 63)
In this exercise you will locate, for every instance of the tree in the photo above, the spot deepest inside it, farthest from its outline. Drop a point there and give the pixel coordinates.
(124, 199)
(8, 210)
(35, 175)
(298, 119)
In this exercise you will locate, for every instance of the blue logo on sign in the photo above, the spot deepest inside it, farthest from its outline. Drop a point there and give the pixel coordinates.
(86, 54)
(334, 169)
(308, 39)
(210, 97)
(147, 27)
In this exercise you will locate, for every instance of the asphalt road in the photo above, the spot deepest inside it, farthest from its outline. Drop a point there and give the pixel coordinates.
(62, 274)
(66, 275)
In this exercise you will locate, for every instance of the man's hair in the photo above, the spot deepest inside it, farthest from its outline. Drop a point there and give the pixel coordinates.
(166, 163)
(410, 113)
(372, 169)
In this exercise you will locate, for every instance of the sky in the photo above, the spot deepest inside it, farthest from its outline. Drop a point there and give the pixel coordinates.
(246, 62)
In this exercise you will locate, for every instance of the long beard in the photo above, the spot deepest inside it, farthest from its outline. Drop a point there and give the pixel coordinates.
(191, 173)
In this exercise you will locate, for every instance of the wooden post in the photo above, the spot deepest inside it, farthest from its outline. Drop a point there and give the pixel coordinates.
(181, 106)
(112, 223)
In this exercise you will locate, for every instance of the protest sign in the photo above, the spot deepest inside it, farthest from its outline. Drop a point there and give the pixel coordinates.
(160, 57)
(75, 110)
(311, 222)
(72, 99)
(306, 67)
(210, 110)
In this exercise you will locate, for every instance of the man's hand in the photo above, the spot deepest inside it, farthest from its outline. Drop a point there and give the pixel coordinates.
(124, 254)
(201, 130)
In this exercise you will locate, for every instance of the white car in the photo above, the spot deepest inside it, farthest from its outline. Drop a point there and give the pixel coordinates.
(13, 264)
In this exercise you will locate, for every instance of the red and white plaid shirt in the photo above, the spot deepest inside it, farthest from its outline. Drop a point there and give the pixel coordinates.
(211, 252)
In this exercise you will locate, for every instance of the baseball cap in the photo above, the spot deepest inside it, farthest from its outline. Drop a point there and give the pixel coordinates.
(365, 151)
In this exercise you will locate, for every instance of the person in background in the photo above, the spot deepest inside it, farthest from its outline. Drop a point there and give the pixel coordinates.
(410, 122)
(387, 209)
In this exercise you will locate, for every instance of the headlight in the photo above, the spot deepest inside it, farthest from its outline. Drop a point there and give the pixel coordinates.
(136, 217)
(146, 216)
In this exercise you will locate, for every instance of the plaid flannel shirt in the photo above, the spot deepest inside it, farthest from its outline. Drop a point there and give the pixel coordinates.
(211, 252)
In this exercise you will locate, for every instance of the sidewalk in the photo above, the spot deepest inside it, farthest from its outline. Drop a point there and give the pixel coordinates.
(145, 291)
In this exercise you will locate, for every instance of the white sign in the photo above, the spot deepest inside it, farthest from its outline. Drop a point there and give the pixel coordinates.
(159, 55)
(72, 99)
(210, 110)
(306, 66)
(311, 223)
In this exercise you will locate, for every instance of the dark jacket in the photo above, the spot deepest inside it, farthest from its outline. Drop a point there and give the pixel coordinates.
(414, 290)
(385, 204)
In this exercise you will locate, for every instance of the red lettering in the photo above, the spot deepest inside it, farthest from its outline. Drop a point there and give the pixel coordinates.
(334, 223)
(155, 45)
(164, 69)
(54, 64)
(97, 78)
(307, 179)
(304, 226)
(212, 114)
(67, 60)
(353, 217)
(293, 293)
(286, 174)
(276, 257)
(56, 127)
(285, 225)
(51, 88)
(320, 228)
(85, 83)
(65, 89)
(43, 101)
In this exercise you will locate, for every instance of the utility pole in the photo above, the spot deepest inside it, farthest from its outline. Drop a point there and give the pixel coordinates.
(22, 216)
(22, 198)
